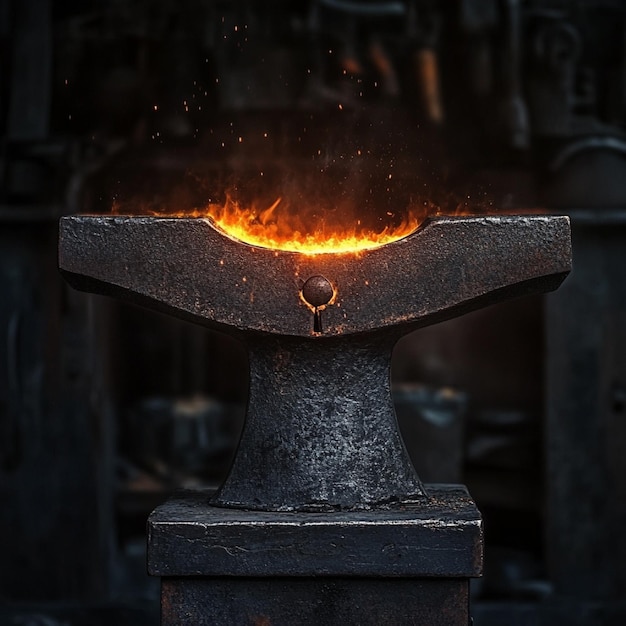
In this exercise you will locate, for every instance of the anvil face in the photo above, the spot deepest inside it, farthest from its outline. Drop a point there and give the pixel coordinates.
(320, 430)
(187, 267)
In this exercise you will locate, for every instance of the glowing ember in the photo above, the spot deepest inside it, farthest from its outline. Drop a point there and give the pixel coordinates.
(285, 231)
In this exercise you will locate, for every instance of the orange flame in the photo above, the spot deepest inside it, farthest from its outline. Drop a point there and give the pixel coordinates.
(286, 230)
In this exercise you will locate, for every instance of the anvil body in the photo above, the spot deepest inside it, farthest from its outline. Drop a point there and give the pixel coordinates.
(322, 518)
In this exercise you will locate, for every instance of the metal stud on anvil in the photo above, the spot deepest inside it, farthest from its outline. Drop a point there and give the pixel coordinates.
(321, 485)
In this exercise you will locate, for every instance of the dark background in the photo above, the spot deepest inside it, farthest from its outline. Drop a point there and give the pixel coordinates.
(159, 106)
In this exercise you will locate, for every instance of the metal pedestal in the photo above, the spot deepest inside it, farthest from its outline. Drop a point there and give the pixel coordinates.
(408, 564)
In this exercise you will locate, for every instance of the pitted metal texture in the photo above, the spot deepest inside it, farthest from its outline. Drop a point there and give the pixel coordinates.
(187, 267)
(320, 432)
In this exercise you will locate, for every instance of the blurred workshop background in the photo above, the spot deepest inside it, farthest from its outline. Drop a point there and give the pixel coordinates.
(158, 106)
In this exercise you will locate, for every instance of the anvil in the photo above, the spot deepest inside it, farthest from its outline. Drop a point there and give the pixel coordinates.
(320, 432)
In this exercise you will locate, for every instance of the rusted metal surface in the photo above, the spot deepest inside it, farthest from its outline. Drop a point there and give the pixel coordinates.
(320, 433)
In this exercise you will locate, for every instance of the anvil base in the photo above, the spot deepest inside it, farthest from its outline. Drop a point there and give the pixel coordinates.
(403, 565)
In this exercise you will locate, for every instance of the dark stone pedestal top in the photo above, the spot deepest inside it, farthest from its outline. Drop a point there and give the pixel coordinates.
(439, 537)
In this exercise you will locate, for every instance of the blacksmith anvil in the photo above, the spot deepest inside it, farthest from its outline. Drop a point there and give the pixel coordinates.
(322, 518)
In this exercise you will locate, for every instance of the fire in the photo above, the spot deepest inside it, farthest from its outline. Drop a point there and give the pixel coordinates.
(287, 230)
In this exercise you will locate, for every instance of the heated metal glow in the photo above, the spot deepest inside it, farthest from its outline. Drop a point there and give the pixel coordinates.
(271, 228)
